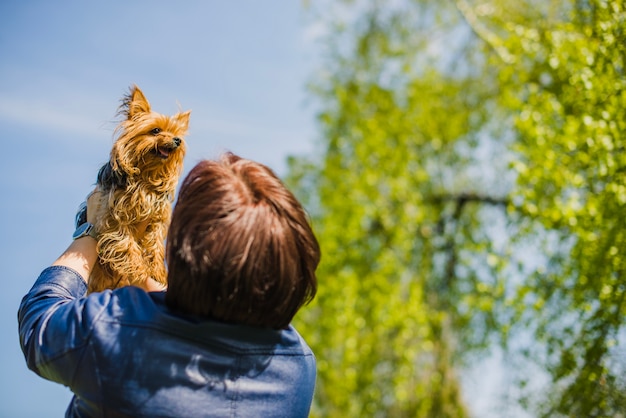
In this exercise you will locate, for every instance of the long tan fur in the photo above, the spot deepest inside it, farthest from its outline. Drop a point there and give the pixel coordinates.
(137, 191)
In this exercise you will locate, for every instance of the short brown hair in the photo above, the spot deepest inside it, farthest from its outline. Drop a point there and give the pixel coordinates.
(240, 248)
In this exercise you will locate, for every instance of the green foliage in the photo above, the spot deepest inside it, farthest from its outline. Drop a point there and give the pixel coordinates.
(376, 327)
(570, 100)
(470, 185)
(387, 325)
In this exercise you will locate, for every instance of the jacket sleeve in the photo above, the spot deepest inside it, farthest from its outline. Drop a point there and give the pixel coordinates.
(55, 323)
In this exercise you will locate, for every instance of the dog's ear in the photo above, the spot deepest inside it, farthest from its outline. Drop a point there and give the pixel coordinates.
(137, 102)
(183, 119)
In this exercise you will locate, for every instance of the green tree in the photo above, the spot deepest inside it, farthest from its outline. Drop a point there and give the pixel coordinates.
(569, 100)
(397, 202)
(456, 139)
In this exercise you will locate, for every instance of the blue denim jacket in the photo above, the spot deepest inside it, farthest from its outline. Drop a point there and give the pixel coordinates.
(123, 353)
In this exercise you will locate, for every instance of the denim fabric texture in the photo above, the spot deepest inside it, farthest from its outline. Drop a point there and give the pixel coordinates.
(123, 353)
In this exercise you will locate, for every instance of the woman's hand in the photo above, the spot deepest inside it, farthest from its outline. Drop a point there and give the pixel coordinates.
(153, 286)
(94, 206)
(82, 253)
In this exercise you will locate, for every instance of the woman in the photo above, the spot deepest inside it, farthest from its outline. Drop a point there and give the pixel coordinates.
(241, 260)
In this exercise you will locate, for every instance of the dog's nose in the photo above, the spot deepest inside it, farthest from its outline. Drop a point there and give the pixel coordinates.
(177, 141)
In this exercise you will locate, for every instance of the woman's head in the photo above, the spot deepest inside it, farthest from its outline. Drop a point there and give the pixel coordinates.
(240, 248)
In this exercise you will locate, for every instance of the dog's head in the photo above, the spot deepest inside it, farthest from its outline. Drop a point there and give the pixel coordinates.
(150, 147)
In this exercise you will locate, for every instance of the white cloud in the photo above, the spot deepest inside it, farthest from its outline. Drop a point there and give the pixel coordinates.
(66, 123)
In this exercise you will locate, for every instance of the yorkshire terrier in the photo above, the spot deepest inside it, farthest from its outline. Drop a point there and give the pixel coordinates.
(136, 191)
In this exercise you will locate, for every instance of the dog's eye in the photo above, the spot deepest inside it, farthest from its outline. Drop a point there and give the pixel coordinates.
(155, 131)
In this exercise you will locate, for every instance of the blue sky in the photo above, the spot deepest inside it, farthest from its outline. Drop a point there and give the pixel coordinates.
(241, 67)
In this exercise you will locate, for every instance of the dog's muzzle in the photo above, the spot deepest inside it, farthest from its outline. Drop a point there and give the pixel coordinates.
(166, 150)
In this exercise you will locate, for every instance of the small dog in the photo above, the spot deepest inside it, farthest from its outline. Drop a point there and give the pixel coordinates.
(137, 188)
